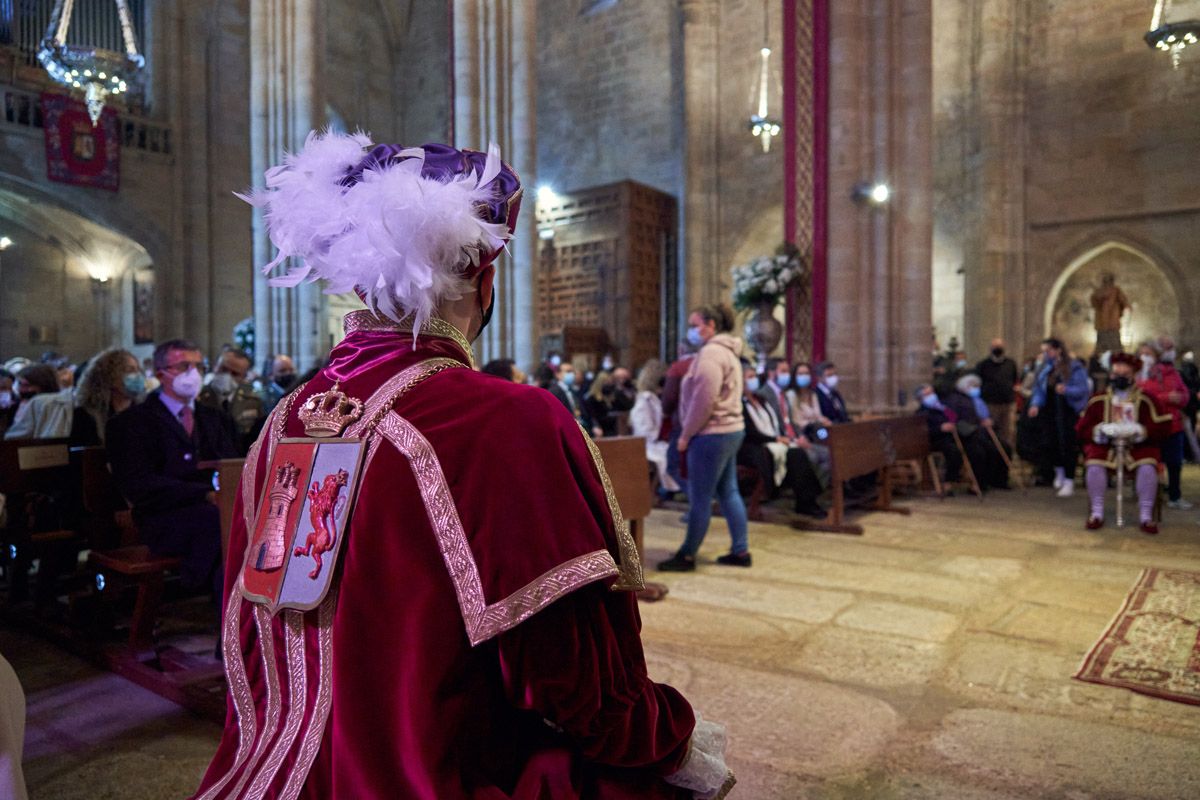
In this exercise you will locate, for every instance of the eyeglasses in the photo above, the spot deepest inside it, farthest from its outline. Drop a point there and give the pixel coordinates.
(180, 367)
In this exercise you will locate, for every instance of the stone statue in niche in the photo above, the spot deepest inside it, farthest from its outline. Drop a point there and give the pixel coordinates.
(1109, 304)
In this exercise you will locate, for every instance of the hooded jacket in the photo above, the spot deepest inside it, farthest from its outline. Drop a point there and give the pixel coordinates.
(711, 395)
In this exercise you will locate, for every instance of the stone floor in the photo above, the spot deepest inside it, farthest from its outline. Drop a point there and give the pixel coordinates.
(929, 658)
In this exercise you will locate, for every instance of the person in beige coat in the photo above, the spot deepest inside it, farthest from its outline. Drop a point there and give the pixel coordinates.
(710, 409)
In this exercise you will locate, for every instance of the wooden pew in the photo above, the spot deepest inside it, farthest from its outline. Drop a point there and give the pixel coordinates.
(629, 471)
(228, 481)
(869, 447)
(30, 468)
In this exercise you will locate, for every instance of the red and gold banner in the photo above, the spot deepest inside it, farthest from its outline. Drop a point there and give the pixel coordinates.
(77, 152)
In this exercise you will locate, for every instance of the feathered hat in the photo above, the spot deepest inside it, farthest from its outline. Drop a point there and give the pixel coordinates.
(404, 227)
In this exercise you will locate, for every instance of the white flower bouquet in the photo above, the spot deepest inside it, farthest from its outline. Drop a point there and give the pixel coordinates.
(766, 278)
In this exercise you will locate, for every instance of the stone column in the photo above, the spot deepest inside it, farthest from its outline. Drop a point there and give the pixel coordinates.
(995, 279)
(701, 95)
(880, 117)
(495, 46)
(285, 102)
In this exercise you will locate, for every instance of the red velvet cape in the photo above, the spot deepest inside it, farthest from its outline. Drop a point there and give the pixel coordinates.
(380, 692)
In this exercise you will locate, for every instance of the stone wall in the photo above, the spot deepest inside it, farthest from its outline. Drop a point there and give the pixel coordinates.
(1057, 132)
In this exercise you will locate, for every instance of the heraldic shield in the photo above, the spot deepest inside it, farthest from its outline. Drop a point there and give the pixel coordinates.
(300, 522)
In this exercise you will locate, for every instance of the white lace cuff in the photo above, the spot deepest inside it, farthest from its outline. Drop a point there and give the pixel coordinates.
(704, 771)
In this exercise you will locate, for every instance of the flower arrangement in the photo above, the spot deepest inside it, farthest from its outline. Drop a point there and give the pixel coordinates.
(765, 279)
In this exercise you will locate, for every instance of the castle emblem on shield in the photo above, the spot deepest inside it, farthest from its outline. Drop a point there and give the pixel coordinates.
(297, 536)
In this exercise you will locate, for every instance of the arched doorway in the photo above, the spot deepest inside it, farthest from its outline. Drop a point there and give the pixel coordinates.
(69, 284)
(1069, 314)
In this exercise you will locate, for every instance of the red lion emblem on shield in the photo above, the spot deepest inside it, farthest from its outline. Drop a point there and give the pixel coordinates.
(322, 501)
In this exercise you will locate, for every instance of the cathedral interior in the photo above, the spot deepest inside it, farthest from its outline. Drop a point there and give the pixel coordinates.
(942, 174)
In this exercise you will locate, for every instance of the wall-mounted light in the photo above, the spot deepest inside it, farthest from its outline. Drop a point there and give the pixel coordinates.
(5, 242)
(546, 234)
(99, 271)
(875, 194)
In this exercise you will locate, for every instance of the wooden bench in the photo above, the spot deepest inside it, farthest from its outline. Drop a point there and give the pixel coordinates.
(628, 469)
(870, 447)
(31, 469)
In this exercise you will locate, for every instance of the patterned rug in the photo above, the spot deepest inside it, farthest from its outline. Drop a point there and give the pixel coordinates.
(1153, 644)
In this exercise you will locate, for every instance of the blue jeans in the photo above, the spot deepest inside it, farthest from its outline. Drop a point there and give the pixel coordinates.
(673, 459)
(712, 473)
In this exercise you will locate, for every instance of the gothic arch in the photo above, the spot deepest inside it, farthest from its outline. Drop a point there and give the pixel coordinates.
(1146, 277)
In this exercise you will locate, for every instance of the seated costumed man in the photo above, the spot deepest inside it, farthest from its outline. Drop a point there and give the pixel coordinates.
(432, 584)
(1123, 412)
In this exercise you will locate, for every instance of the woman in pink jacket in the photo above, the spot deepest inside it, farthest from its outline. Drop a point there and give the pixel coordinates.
(710, 410)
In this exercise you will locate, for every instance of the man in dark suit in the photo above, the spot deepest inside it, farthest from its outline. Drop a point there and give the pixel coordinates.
(154, 449)
(833, 407)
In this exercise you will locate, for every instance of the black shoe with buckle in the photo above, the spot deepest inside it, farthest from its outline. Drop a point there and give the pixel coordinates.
(735, 559)
(678, 563)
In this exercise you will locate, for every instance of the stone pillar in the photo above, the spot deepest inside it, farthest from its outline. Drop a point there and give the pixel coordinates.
(995, 297)
(495, 46)
(701, 209)
(285, 102)
(880, 116)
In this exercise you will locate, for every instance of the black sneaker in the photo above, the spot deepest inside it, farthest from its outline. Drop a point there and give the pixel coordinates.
(678, 563)
(733, 559)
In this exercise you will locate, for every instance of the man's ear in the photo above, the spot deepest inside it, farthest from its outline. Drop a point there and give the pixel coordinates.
(487, 282)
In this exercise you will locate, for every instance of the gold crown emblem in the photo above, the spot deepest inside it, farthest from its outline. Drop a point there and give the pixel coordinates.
(328, 413)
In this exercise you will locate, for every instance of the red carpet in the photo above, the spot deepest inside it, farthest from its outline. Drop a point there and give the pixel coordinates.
(1153, 645)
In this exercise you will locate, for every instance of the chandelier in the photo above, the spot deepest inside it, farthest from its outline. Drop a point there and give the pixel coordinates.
(98, 71)
(1171, 37)
(762, 125)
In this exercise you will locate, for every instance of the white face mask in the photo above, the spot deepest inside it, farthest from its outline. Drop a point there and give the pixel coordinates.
(832, 381)
(188, 384)
(223, 383)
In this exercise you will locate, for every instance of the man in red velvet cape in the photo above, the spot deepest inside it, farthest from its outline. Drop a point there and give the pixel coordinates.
(480, 638)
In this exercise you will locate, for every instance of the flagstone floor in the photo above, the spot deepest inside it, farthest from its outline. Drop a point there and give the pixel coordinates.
(930, 658)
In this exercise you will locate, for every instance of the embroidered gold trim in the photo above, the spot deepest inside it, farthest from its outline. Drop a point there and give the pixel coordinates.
(239, 690)
(381, 402)
(364, 320)
(262, 622)
(315, 733)
(481, 620)
(631, 578)
(293, 631)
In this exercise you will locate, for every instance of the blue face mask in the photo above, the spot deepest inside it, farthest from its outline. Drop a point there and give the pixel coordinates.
(753, 384)
(930, 401)
(783, 380)
(694, 338)
(974, 391)
(804, 381)
(134, 384)
(569, 379)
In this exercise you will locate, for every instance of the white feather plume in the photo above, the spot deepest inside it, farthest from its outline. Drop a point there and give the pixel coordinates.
(401, 239)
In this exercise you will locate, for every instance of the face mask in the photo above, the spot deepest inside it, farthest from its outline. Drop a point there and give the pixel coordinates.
(973, 391)
(188, 384)
(1122, 383)
(752, 384)
(783, 380)
(223, 383)
(1168, 356)
(6, 399)
(997, 352)
(487, 315)
(134, 384)
(555, 361)
(569, 379)
(694, 338)
(286, 380)
(960, 364)
(832, 381)
(606, 365)
(804, 381)
(929, 401)
(1148, 361)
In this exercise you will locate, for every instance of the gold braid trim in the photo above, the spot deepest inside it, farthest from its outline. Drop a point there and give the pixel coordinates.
(630, 577)
(364, 320)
